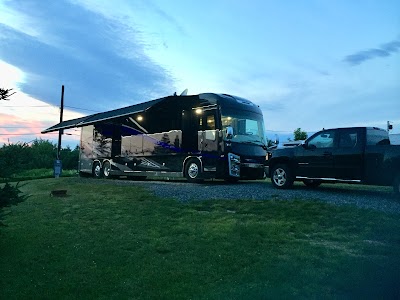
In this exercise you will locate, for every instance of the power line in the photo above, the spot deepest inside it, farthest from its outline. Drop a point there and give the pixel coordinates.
(37, 133)
(49, 105)
(82, 108)
(28, 106)
(18, 127)
(20, 133)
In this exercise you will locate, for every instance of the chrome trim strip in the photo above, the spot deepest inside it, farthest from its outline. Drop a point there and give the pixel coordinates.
(329, 179)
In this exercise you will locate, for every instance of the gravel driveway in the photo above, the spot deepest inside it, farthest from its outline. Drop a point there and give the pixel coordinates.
(381, 199)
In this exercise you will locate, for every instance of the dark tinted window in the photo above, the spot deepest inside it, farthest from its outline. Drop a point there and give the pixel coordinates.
(324, 139)
(377, 137)
(348, 138)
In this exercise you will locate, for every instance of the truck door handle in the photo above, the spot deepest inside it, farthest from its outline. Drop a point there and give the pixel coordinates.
(327, 153)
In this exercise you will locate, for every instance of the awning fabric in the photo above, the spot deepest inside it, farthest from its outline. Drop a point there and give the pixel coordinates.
(100, 117)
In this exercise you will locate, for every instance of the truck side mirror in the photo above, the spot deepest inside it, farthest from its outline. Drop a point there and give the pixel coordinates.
(229, 132)
(276, 141)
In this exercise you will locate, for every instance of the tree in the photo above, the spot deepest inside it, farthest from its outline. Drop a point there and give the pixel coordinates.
(5, 94)
(299, 135)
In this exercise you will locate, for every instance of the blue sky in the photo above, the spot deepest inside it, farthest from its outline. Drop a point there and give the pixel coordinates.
(308, 64)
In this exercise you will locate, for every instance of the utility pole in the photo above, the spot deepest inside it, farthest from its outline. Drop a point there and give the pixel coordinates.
(60, 132)
(57, 162)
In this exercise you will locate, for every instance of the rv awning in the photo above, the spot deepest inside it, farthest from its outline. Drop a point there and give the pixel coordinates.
(100, 117)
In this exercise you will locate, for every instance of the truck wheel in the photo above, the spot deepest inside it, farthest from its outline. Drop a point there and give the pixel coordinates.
(282, 177)
(97, 172)
(193, 170)
(106, 169)
(396, 185)
(312, 183)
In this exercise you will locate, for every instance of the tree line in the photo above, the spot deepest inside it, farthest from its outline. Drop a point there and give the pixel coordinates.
(40, 154)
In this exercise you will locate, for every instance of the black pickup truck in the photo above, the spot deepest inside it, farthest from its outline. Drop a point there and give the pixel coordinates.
(350, 155)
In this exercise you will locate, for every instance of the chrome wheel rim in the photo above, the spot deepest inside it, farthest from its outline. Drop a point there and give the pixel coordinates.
(279, 177)
(106, 170)
(97, 170)
(193, 170)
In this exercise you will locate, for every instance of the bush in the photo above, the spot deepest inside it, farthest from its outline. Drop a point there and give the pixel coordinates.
(19, 157)
(10, 195)
(13, 159)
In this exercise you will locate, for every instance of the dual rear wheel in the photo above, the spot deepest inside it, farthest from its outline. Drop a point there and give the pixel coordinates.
(101, 171)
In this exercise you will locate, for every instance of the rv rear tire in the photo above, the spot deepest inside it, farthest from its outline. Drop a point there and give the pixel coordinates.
(97, 171)
(106, 169)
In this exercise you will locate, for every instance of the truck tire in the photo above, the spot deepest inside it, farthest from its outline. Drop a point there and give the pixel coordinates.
(97, 171)
(281, 176)
(396, 185)
(193, 170)
(312, 183)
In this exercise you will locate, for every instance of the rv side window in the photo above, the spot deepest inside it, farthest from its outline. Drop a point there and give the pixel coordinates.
(210, 122)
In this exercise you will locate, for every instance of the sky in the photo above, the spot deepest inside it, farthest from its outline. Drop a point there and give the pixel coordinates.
(308, 64)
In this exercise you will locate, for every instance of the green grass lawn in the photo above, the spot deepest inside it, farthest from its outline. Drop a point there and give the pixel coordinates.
(36, 174)
(106, 241)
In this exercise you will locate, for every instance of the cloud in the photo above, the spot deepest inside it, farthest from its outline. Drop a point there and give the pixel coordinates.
(384, 50)
(170, 19)
(100, 61)
(14, 129)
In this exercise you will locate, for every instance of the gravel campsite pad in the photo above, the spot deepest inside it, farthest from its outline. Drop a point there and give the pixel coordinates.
(376, 198)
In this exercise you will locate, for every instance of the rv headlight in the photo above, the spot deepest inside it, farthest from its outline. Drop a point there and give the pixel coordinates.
(234, 165)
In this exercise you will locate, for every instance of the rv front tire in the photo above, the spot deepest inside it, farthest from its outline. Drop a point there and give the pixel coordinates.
(193, 170)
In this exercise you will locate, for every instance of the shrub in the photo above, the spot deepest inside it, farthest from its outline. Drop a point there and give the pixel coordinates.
(10, 195)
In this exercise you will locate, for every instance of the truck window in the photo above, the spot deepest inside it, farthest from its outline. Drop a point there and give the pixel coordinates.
(323, 140)
(377, 137)
(348, 139)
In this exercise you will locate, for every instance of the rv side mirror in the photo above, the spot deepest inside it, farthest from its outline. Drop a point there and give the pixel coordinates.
(229, 132)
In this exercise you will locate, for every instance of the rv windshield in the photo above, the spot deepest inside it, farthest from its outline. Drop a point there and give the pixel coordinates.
(247, 126)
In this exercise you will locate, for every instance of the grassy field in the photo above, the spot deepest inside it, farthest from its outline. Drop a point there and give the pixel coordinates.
(106, 241)
(36, 174)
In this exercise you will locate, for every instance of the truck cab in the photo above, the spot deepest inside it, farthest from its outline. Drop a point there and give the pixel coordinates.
(353, 155)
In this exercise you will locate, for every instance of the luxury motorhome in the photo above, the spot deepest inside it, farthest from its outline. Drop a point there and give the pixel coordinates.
(193, 136)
